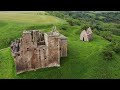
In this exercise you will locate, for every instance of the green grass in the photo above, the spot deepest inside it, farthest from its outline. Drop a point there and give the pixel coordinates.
(84, 60)
(7, 68)
(29, 18)
(12, 31)
(13, 23)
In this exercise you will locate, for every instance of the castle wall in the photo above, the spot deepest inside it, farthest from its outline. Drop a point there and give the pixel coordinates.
(53, 51)
(43, 56)
(38, 50)
(46, 39)
(63, 47)
(32, 56)
(20, 64)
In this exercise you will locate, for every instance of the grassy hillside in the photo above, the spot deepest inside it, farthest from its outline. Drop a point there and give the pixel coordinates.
(13, 23)
(29, 18)
(84, 60)
(7, 68)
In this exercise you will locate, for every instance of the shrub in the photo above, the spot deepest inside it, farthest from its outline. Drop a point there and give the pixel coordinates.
(117, 48)
(69, 20)
(73, 22)
(76, 22)
(98, 27)
(96, 31)
(116, 44)
(108, 54)
(107, 35)
(116, 31)
(84, 27)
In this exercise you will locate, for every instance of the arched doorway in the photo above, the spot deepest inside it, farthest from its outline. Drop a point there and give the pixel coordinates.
(83, 38)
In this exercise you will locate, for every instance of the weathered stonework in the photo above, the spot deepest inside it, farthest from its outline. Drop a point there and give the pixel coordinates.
(86, 35)
(37, 50)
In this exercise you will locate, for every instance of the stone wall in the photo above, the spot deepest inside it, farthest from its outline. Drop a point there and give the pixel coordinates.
(63, 49)
(38, 50)
(86, 35)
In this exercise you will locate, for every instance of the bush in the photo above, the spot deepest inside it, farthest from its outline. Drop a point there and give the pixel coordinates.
(73, 22)
(107, 35)
(98, 27)
(108, 54)
(84, 27)
(69, 20)
(116, 31)
(76, 22)
(96, 31)
(117, 48)
(116, 45)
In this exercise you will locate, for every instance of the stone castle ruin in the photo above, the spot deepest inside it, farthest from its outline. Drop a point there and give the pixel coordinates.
(86, 35)
(37, 50)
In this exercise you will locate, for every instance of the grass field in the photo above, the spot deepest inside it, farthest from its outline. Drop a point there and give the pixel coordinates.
(29, 18)
(84, 59)
(13, 23)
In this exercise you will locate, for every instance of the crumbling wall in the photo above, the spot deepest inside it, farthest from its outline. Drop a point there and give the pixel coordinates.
(63, 47)
(83, 36)
(86, 35)
(38, 50)
(53, 51)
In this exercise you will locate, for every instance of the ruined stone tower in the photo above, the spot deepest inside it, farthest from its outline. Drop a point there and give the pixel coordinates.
(86, 35)
(37, 50)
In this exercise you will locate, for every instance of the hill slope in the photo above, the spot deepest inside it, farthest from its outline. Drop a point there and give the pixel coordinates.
(84, 58)
(13, 23)
(83, 61)
(32, 18)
